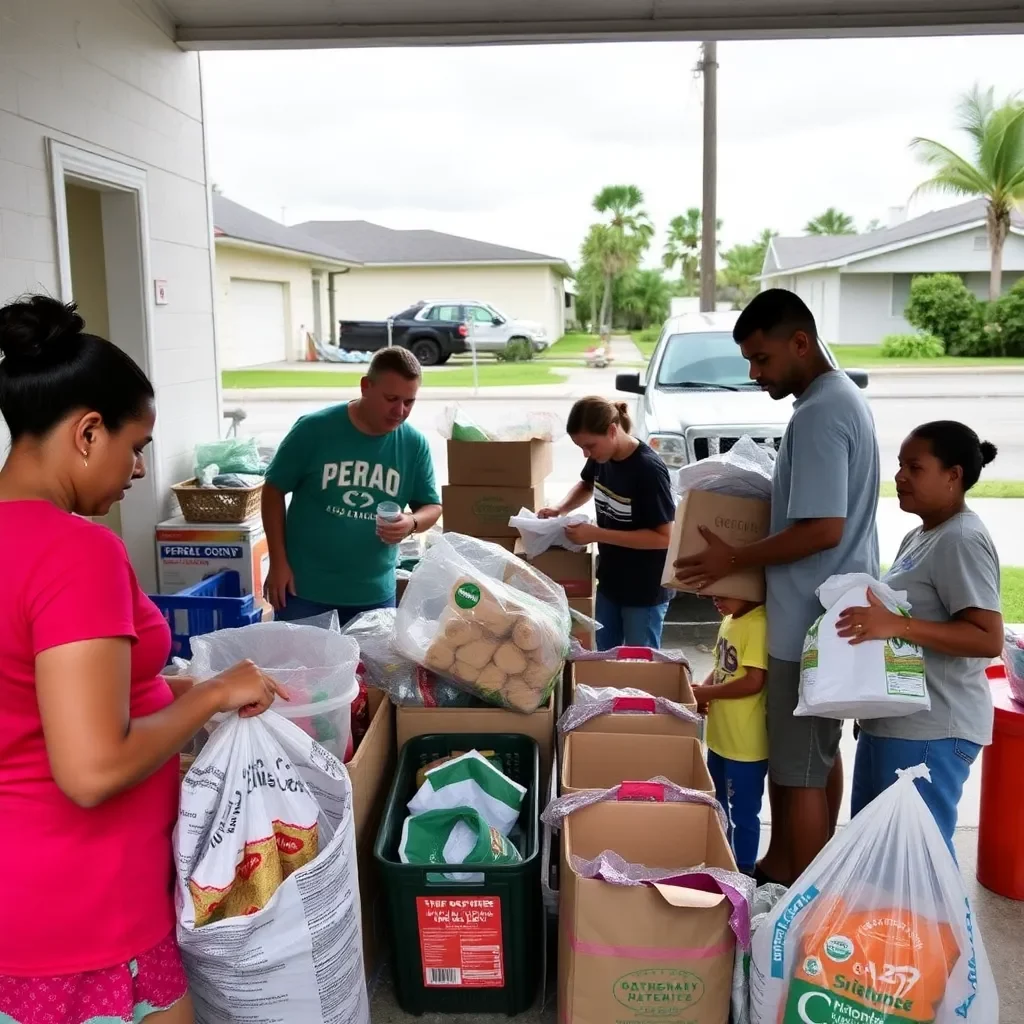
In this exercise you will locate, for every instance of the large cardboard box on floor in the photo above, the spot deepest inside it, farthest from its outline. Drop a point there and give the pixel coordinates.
(371, 769)
(738, 521)
(485, 511)
(188, 553)
(499, 463)
(573, 571)
(635, 954)
(596, 760)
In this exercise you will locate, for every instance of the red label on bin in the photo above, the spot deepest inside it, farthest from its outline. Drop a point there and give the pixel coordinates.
(460, 941)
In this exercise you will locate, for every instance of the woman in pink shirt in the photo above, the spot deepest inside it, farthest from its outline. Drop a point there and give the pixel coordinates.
(89, 730)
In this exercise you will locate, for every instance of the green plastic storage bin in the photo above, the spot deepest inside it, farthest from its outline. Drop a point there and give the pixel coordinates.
(464, 948)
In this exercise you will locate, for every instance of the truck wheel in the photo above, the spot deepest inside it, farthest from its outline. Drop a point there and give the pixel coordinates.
(427, 351)
(445, 356)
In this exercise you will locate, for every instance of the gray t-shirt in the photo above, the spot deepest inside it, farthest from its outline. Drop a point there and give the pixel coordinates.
(944, 571)
(827, 468)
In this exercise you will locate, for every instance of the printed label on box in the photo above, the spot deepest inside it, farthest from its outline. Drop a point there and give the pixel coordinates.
(460, 942)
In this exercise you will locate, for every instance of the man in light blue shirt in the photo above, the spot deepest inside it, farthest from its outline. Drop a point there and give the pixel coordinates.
(824, 500)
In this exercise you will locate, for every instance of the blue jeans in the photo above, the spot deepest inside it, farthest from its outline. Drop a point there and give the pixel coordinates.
(298, 608)
(739, 786)
(622, 626)
(949, 761)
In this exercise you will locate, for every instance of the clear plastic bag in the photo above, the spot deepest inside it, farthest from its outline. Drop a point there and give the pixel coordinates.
(456, 424)
(744, 471)
(879, 927)
(875, 679)
(593, 701)
(488, 621)
(316, 666)
(540, 534)
(231, 455)
(1013, 660)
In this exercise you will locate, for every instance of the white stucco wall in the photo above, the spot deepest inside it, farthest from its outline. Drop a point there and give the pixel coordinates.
(296, 274)
(865, 305)
(104, 75)
(820, 290)
(522, 292)
(953, 254)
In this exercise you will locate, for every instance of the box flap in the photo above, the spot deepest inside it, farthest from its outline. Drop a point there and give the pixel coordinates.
(692, 899)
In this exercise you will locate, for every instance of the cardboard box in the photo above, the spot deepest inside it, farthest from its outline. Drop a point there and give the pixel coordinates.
(485, 511)
(371, 770)
(188, 553)
(499, 463)
(595, 760)
(613, 963)
(737, 521)
(584, 634)
(539, 726)
(573, 571)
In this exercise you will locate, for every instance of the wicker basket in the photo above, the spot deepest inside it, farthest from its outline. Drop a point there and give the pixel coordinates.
(217, 504)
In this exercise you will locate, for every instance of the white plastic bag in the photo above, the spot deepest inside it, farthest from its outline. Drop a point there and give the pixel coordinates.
(878, 929)
(456, 424)
(874, 679)
(540, 534)
(298, 958)
(744, 471)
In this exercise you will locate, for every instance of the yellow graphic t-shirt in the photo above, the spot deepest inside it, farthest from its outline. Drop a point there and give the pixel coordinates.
(738, 729)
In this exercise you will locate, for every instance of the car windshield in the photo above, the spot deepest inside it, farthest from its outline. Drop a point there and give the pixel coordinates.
(711, 358)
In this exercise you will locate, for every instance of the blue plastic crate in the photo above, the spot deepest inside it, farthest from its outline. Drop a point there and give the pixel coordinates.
(215, 603)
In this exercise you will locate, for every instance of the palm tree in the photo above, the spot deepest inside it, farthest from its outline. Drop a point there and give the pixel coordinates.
(994, 173)
(647, 296)
(618, 244)
(831, 222)
(682, 248)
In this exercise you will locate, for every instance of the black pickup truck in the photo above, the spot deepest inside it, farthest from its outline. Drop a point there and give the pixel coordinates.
(420, 328)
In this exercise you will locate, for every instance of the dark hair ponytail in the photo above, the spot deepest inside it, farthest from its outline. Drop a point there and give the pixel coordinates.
(51, 367)
(596, 415)
(955, 444)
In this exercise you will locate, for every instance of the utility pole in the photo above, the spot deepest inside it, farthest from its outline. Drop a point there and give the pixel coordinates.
(709, 243)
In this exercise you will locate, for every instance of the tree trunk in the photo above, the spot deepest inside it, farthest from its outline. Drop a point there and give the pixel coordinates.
(606, 301)
(995, 277)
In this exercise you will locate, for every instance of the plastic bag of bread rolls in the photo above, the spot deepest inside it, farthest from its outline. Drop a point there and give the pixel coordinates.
(504, 642)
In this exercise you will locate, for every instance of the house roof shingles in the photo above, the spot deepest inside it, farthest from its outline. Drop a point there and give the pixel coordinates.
(811, 250)
(371, 243)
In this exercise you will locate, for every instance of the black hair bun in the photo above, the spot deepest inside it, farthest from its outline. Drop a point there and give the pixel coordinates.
(988, 452)
(34, 329)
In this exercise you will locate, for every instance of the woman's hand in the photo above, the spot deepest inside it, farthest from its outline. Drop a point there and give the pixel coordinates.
(548, 513)
(246, 689)
(873, 622)
(583, 533)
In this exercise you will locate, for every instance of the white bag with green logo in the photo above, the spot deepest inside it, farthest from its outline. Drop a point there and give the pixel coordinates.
(874, 679)
(458, 835)
(471, 781)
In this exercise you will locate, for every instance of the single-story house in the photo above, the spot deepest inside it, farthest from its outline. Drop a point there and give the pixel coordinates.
(858, 286)
(399, 268)
(271, 286)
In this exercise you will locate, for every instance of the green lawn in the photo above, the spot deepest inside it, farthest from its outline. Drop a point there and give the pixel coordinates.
(570, 346)
(983, 489)
(865, 356)
(1013, 595)
(647, 340)
(491, 375)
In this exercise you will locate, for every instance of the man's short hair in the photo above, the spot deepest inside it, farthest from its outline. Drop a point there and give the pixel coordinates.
(395, 360)
(775, 311)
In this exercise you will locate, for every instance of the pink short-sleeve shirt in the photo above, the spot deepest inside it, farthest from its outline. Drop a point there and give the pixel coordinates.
(83, 888)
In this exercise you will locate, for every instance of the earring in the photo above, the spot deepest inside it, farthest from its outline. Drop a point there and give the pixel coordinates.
(85, 458)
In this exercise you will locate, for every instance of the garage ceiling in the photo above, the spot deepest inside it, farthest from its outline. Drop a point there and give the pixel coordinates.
(254, 24)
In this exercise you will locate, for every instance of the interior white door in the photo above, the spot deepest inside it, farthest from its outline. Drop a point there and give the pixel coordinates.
(258, 323)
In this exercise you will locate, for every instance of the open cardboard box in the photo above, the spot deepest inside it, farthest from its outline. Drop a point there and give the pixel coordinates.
(595, 760)
(573, 571)
(624, 950)
(738, 521)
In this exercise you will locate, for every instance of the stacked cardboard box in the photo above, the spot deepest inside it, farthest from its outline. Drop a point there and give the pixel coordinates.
(573, 571)
(489, 482)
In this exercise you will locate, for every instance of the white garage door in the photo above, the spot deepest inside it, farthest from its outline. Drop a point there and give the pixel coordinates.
(259, 329)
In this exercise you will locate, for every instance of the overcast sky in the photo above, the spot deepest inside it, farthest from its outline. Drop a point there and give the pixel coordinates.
(510, 144)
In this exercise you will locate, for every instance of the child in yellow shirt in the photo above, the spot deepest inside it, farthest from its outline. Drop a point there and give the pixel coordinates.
(733, 697)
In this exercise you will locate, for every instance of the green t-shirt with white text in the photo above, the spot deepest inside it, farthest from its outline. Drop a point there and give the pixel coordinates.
(337, 476)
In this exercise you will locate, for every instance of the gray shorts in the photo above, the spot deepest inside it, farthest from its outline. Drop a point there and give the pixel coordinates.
(801, 751)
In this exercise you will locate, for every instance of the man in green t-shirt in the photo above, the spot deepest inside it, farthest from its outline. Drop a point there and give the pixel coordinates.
(329, 551)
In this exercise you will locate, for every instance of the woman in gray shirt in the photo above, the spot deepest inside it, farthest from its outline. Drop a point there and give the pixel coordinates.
(950, 570)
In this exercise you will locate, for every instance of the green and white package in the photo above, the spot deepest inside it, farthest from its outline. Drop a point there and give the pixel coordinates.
(471, 781)
(873, 679)
(458, 835)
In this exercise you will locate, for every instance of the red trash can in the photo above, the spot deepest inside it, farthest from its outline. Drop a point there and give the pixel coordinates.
(1001, 826)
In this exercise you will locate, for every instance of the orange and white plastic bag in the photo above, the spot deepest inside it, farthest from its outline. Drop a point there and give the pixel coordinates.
(878, 930)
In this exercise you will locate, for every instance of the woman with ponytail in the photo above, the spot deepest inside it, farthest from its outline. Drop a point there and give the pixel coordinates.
(950, 571)
(633, 499)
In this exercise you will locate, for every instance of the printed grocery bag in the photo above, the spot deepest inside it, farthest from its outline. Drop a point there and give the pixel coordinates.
(874, 679)
(456, 835)
(267, 892)
(879, 929)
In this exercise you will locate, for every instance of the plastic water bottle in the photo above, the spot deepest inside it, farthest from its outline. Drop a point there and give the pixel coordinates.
(387, 512)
